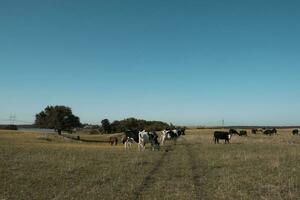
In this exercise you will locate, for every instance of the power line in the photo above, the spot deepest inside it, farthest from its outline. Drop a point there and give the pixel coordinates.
(12, 120)
(24, 121)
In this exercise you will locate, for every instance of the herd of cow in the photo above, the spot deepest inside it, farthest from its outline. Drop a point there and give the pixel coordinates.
(226, 136)
(142, 137)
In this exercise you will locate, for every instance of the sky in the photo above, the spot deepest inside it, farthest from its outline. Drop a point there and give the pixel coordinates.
(189, 62)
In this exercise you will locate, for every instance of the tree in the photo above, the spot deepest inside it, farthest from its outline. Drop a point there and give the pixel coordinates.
(137, 124)
(59, 118)
(106, 126)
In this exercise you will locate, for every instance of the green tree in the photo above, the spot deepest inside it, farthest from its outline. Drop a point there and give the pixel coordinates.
(59, 118)
(106, 126)
(138, 124)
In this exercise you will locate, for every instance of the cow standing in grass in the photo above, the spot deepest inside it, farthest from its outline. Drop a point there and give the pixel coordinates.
(179, 131)
(128, 142)
(295, 132)
(243, 133)
(134, 134)
(130, 137)
(222, 135)
(169, 135)
(148, 137)
(113, 141)
(270, 132)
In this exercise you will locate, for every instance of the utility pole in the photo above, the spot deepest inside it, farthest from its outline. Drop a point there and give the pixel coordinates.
(12, 119)
(223, 122)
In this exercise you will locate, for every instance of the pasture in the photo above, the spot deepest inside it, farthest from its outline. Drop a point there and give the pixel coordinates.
(33, 166)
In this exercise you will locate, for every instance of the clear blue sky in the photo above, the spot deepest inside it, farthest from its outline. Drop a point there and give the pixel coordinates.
(187, 62)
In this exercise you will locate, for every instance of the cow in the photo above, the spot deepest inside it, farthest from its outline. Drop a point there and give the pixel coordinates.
(270, 132)
(128, 143)
(295, 132)
(180, 131)
(113, 141)
(243, 133)
(169, 135)
(148, 137)
(233, 131)
(253, 131)
(222, 135)
(134, 134)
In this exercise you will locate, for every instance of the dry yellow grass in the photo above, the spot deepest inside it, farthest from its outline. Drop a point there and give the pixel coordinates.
(35, 166)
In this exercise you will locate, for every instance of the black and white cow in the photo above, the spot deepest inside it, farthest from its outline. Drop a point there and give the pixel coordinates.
(130, 137)
(170, 135)
(179, 131)
(222, 135)
(134, 134)
(148, 137)
(128, 143)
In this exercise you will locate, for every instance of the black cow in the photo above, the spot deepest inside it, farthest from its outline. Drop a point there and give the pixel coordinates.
(153, 137)
(134, 134)
(181, 131)
(270, 132)
(253, 131)
(222, 135)
(243, 133)
(295, 132)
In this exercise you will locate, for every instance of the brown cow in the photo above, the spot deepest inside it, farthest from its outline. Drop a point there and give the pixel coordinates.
(113, 141)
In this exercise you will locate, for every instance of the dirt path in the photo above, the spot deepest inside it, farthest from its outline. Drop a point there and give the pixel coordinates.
(197, 171)
(150, 178)
(176, 175)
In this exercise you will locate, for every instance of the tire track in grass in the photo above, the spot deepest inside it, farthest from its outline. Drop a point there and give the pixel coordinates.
(150, 177)
(196, 175)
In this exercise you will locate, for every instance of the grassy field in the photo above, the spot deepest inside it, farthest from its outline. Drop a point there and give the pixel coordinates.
(33, 166)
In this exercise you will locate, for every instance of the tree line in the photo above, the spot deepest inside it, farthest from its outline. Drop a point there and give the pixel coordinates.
(61, 119)
(132, 124)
